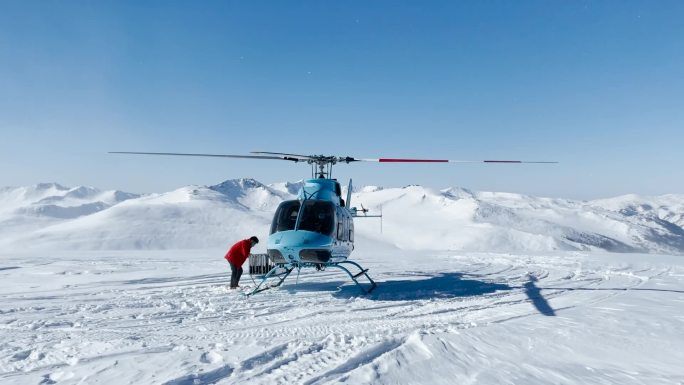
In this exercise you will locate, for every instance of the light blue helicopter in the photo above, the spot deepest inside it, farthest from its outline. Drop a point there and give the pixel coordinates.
(317, 229)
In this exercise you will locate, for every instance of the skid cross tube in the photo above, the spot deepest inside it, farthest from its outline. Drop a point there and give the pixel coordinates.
(258, 288)
(343, 265)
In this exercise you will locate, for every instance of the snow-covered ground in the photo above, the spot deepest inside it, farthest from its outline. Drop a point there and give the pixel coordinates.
(167, 317)
(473, 287)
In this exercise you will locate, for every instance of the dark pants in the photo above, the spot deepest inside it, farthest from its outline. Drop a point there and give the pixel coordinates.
(235, 273)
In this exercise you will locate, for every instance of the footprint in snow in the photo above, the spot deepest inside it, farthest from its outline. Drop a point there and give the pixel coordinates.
(211, 357)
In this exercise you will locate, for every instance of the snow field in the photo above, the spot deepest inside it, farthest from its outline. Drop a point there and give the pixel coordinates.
(436, 317)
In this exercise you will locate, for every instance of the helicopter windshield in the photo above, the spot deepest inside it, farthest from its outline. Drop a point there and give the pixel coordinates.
(318, 216)
(286, 216)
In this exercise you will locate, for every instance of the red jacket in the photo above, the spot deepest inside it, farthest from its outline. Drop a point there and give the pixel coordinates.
(239, 252)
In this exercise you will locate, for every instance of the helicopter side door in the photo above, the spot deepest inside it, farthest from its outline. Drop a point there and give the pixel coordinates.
(344, 239)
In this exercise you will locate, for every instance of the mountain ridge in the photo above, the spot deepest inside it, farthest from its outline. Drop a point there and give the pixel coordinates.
(49, 215)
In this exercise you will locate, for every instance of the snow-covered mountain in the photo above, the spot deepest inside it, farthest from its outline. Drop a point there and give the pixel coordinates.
(50, 216)
(57, 201)
(24, 210)
(460, 219)
(189, 217)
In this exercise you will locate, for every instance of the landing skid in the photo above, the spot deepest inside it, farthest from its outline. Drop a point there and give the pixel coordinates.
(272, 274)
(354, 277)
(286, 269)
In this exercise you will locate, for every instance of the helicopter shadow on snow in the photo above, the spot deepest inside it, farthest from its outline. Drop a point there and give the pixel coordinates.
(423, 286)
(427, 287)
(438, 286)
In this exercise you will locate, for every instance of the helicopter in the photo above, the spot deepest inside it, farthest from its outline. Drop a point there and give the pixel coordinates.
(316, 230)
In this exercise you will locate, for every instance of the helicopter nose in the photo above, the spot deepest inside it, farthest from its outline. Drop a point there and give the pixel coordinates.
(298, 238)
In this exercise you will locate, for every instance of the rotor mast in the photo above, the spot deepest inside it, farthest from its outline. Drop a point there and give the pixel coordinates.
(325, 163)
(321, 165)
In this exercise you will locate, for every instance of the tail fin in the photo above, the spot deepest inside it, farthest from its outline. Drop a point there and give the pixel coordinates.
(349, 191)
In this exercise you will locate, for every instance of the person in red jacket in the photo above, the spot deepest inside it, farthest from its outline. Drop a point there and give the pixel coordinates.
(236, 256)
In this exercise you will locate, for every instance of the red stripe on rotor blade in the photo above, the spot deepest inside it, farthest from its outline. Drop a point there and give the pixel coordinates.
(502, 161)
(413, 160)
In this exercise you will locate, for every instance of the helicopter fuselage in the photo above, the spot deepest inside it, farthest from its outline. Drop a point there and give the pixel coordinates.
(314, 228)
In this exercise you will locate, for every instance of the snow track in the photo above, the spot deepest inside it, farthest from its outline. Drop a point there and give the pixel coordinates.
(553, 318)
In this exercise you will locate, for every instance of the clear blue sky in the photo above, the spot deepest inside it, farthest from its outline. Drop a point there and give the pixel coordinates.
(596, 85)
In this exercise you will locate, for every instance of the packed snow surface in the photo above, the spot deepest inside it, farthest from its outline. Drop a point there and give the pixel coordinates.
(152, 317)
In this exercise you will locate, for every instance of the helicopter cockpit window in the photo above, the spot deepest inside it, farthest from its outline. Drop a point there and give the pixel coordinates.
(285, 217)
(318, 216)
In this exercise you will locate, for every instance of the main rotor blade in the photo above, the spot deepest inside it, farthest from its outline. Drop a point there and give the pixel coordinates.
(400, 160)
(298, 158)
(207, 155)
(280, 153)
